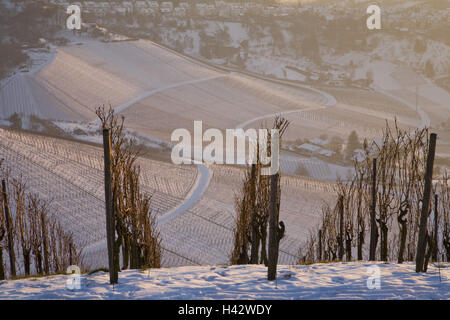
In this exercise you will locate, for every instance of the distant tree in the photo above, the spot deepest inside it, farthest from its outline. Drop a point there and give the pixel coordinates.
(299, 142)
(16, 120)
(11, 56)
(129, 16)
(336, 144)
(223, 35)
(278, 39)
(352, 144)
(369, 77)
(310, 48)
(429, 69)
(240, 62)
(301, 170)
(2, 236)
(420, 46)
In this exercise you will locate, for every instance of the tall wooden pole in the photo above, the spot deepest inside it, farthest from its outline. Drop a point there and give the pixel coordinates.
(273, 229)
(373, 226)
(319, 254)
(70, 254)
(110, 230)
(2, 269)
(341, 228)
(436, 227)
(422, 241)
(11, 253)
(255, 238)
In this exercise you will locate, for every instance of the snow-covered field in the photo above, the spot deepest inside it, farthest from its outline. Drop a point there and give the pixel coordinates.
(70, 175)
(158, 90)
(318, 281)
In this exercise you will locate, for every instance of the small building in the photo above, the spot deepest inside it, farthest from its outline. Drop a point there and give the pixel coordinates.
(236, 9)
(147, 11)
(104, 5)
(179, 12)
(90, 5)
(121, 10)
(204, 9)
(184, 5)
(309, 148)
(359, 155)
(326, 153)
(141, 4)
(127, 5)
(270, 11)
(167, 5)
(154, 5)
(318, 141)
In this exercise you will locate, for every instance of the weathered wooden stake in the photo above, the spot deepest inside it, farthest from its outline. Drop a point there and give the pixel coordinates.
(11, 253)
(436, 227)
(373, 225)
(2, 269)
(273, 229)
(253, 226)
(110, 230)
(319, 254)
(70, 254)
(422, 241)
(341, 228)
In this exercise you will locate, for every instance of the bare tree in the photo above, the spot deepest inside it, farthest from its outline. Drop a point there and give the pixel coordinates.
(253, 210)
(2, 236)
(135, 224)
(45, 247)
(399, 186)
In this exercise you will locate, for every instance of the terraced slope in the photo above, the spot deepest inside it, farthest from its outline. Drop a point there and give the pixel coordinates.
(156, 89)
(70, 174)
(206, 230)
(223, 102)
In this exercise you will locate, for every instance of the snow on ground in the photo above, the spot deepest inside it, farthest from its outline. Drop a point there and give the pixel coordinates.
(89, 131)
(5, 123)
(401, 82)
(317, 168)
(319, 281)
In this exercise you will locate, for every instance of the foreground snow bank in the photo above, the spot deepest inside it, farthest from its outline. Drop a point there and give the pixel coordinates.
(318, 281)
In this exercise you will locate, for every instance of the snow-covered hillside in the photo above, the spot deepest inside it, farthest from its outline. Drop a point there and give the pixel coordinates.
(318, 281)
(200, 233)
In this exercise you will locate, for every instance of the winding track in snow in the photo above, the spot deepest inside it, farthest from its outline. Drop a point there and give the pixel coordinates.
(422, 114)
(149, 93)
(204, 174)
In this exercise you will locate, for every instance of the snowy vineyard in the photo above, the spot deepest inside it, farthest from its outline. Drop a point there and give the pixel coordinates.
(70, 175)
